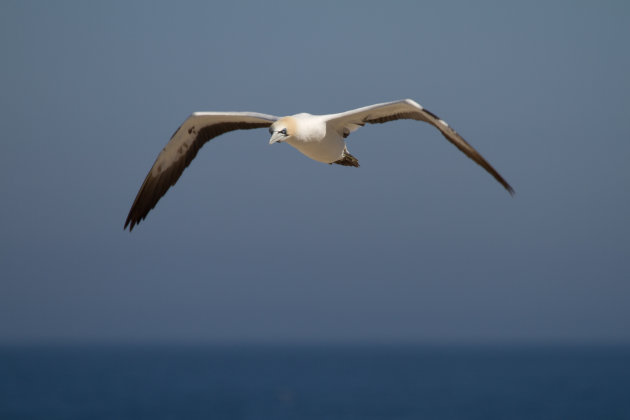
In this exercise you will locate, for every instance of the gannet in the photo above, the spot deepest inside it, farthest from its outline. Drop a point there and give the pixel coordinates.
(320, 137)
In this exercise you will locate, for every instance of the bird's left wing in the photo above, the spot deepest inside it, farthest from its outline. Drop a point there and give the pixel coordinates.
(182, 148)
(347, 122)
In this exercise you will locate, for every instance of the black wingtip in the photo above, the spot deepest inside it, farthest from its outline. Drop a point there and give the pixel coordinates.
(128, 224)
(504, 183)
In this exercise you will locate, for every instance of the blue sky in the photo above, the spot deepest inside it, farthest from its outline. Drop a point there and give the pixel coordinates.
(259, 243)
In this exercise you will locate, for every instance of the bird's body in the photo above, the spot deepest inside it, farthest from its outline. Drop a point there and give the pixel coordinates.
(312, 137)
(320, 137)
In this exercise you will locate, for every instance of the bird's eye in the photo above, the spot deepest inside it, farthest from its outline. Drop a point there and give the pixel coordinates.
(283, 131)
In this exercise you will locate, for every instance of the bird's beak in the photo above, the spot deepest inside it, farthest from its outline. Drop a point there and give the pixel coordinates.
(276, 138)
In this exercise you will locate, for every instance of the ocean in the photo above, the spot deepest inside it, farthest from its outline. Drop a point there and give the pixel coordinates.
(314, 382)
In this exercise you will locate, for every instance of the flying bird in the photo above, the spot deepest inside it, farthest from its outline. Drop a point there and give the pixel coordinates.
(320, 137)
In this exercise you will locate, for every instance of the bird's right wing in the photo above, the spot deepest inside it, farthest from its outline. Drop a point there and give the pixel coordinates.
(196, 131)
(347, 122)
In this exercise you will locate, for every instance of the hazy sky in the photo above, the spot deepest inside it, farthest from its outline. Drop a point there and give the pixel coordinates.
(259, 243)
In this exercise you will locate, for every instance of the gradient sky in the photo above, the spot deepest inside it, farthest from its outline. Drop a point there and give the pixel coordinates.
(259, 243)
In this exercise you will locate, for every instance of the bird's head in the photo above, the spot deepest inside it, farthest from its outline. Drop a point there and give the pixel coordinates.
(281, 130)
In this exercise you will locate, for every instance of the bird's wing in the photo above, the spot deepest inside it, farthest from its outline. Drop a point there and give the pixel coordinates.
(182, 148)
(347, 122)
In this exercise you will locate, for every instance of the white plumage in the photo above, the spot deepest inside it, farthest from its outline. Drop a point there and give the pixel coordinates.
(320, 137)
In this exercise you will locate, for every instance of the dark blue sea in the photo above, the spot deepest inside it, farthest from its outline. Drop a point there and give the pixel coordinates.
(314, 382)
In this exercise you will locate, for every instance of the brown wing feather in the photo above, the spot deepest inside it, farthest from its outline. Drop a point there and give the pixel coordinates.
(154, 187)
(408, 109)
(451, 135)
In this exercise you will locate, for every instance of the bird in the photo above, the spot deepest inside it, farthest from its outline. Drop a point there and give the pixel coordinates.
(319, 137)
